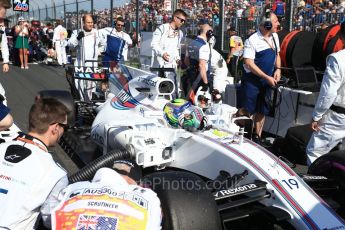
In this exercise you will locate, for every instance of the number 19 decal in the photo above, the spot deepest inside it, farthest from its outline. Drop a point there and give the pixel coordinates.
(291, 183)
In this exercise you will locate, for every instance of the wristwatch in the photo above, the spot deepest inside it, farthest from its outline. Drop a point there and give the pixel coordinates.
(313, 120)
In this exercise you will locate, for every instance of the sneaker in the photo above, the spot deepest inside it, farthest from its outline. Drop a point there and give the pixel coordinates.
(256, 139)
(26, 67)
(22, 67)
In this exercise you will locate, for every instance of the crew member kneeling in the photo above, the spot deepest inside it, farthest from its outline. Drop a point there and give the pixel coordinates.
(113, 200)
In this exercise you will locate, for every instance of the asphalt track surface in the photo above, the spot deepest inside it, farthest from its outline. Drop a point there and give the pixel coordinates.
(22, 85)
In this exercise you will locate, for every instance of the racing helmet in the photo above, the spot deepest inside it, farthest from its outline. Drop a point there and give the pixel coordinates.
(181, 113)
(203, 99)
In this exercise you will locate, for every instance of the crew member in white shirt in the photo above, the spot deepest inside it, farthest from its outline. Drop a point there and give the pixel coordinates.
(166, 44)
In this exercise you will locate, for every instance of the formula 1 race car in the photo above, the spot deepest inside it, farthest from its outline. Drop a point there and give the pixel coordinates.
(206, 173)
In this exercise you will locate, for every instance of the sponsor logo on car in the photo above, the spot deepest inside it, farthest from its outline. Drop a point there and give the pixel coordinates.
(234, 191)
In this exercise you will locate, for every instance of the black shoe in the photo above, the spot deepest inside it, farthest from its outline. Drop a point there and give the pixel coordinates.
(257, 139)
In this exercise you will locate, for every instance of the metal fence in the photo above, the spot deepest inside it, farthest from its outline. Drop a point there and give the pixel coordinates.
(72, 11)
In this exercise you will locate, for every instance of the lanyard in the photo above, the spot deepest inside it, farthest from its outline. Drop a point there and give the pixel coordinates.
(271, 46)
(26, 138)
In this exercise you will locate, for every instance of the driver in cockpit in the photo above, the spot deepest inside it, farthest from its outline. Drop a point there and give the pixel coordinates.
(180, 113)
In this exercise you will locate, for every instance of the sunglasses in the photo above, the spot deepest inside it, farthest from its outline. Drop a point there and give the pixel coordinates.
(119, 25)
(181, 19)
(62, 125)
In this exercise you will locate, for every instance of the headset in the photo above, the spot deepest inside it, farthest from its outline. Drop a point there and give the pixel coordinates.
(266, 20)
(209, 34)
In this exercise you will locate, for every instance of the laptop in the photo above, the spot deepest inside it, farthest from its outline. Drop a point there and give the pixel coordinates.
(306, 79)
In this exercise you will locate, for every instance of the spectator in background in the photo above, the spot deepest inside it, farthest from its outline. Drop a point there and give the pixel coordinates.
(6, 120)
(4, 5)
(235, 52)
(4, 49)
(318, 18)
(136, 44)
(279, 8)
(159, 18)
(341, 8)
(252, 12)
(49, 33)
(60, 43)
(22, 42)
(239, 11)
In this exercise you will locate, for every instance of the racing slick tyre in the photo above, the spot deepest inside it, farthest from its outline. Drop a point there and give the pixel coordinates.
(186, 202)
(331, 165)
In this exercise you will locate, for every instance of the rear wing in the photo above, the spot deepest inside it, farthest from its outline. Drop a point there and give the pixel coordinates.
(88, 73)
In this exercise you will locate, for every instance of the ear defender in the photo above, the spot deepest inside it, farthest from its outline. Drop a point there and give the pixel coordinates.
(266, 22)
(209, 34)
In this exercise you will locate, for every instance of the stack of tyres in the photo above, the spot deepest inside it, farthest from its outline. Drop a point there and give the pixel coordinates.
(296, 48)
(303, 48)
(327, 41)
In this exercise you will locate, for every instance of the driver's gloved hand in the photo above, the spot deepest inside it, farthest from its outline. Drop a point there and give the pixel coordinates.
(80, 35)
(204, 124)
(1, 32)
(205, 87)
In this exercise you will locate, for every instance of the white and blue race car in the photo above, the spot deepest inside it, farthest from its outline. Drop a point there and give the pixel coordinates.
(210, 177)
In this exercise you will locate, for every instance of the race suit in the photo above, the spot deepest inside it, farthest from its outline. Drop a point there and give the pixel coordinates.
(122, 35)
(108, 202)
(60, 42)
(329, 109)
(166, 40)
(88, 49)
(29, 178)
(218, 71)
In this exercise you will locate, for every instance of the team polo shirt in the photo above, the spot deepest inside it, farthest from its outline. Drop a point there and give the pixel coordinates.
(258, 49)
(197, 50)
